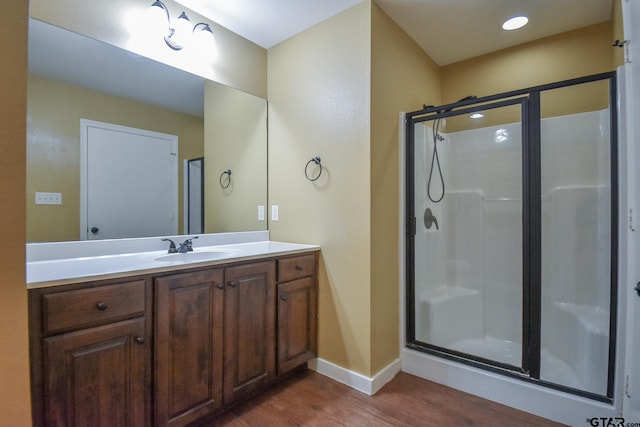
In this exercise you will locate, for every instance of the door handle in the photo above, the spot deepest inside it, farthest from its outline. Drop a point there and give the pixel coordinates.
(637, 288)
(95, 230)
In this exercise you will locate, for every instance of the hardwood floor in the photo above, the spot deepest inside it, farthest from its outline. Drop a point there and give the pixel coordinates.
(311, 399)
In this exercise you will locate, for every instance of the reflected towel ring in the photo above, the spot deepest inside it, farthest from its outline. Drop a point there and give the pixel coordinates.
(228, 173)
(316, 160)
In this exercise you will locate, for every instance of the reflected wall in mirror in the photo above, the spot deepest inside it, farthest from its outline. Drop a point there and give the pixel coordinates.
(73, 77)
(237, 122)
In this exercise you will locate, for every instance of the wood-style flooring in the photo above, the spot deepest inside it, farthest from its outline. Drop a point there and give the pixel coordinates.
(311, 399)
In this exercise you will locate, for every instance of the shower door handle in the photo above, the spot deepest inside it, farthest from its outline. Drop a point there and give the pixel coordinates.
(637, 288)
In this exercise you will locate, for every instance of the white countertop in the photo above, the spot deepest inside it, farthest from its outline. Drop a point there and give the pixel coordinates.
(51, 272)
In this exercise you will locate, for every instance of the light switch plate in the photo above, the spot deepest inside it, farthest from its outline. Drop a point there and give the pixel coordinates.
(260, 213)
(43, 198)
(274, 213)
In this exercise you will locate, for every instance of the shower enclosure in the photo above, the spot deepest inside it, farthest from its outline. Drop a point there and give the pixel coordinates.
(511, 233)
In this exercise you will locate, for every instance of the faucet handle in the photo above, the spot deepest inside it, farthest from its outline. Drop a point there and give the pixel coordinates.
(187, 245)
(430, 219)
(172, 245)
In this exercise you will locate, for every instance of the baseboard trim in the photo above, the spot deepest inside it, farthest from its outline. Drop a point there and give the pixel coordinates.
(362, 383)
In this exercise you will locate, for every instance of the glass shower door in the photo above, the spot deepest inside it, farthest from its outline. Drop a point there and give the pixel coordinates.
(576, 238)
(468, 252)
(512, 237)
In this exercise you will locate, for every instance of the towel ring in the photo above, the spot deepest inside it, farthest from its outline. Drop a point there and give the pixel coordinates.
(316, 160)
(228, 173)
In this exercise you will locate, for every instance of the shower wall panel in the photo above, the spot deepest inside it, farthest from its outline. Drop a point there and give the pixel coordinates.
(576, 239)
(469, 270)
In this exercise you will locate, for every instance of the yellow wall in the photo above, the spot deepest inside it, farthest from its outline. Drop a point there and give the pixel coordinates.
(319, 96)
(236, 139)
(564, 56)
(403, 78)
(53, 148)
(240, 63)
(15, 408)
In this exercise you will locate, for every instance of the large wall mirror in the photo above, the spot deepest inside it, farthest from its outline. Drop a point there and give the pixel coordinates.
(73, 77)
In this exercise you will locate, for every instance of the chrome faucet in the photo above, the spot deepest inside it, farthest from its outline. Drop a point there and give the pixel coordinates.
(187, 245)
(172, 246)
(184, 247)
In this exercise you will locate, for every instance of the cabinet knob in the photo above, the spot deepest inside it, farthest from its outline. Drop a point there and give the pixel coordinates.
(101, 306)
(297, 267)
(140, 340)
(233, 284)
(219, 285)
(283, 297)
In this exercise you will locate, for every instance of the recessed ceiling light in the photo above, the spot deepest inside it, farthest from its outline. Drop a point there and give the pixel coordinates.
(477, 116)
(515, 23)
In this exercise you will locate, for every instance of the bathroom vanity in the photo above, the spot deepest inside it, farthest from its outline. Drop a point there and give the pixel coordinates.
(171, 344)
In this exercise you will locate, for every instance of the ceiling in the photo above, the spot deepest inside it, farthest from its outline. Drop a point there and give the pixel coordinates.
(448, 30)
(434, 24)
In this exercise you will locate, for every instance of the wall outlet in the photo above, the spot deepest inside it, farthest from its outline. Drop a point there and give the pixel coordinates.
(274, 213)
(48, 198)
(260, 213)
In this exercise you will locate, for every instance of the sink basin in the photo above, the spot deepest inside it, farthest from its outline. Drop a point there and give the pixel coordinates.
(188, 257)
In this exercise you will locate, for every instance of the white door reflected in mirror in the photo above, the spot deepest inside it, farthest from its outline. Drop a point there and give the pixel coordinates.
(128, 182)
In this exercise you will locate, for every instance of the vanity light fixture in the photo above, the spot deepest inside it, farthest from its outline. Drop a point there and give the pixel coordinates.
(180, 36)
(515, 23)
(477, 115)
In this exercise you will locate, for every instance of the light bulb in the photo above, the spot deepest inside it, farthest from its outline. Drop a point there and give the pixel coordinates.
(515, 23)
(158, 19)
(181, 31)
(204, 43)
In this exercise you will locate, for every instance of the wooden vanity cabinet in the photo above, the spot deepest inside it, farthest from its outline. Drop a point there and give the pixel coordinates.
(297, 306)
(90, 355)
(215, 339)
(170, 348)
(188, 346)
(249, 329)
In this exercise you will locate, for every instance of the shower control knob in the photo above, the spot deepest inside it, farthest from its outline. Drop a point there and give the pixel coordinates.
(94, 230)
(637, 288)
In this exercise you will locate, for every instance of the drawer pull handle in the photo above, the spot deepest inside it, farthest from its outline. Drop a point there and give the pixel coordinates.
(101, 306)
(283, 297)
(299, 268)
(140, 340)
(219, 286)
(233, 284)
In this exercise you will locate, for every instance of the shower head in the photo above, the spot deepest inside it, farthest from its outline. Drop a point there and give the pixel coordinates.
(466, 98)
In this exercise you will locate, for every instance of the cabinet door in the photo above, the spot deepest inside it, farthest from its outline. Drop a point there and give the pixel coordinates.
(296, 323)
(96, 377)
(188, 356)
(249, 332)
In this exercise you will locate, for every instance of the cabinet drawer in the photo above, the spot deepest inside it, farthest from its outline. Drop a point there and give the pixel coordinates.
(88, 307)
(296, 267)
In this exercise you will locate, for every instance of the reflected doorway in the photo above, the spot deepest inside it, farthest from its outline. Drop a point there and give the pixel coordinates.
(128, 182)
(194, 196)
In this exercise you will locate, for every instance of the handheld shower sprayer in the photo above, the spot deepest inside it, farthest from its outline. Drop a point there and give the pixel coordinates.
(435, 159)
